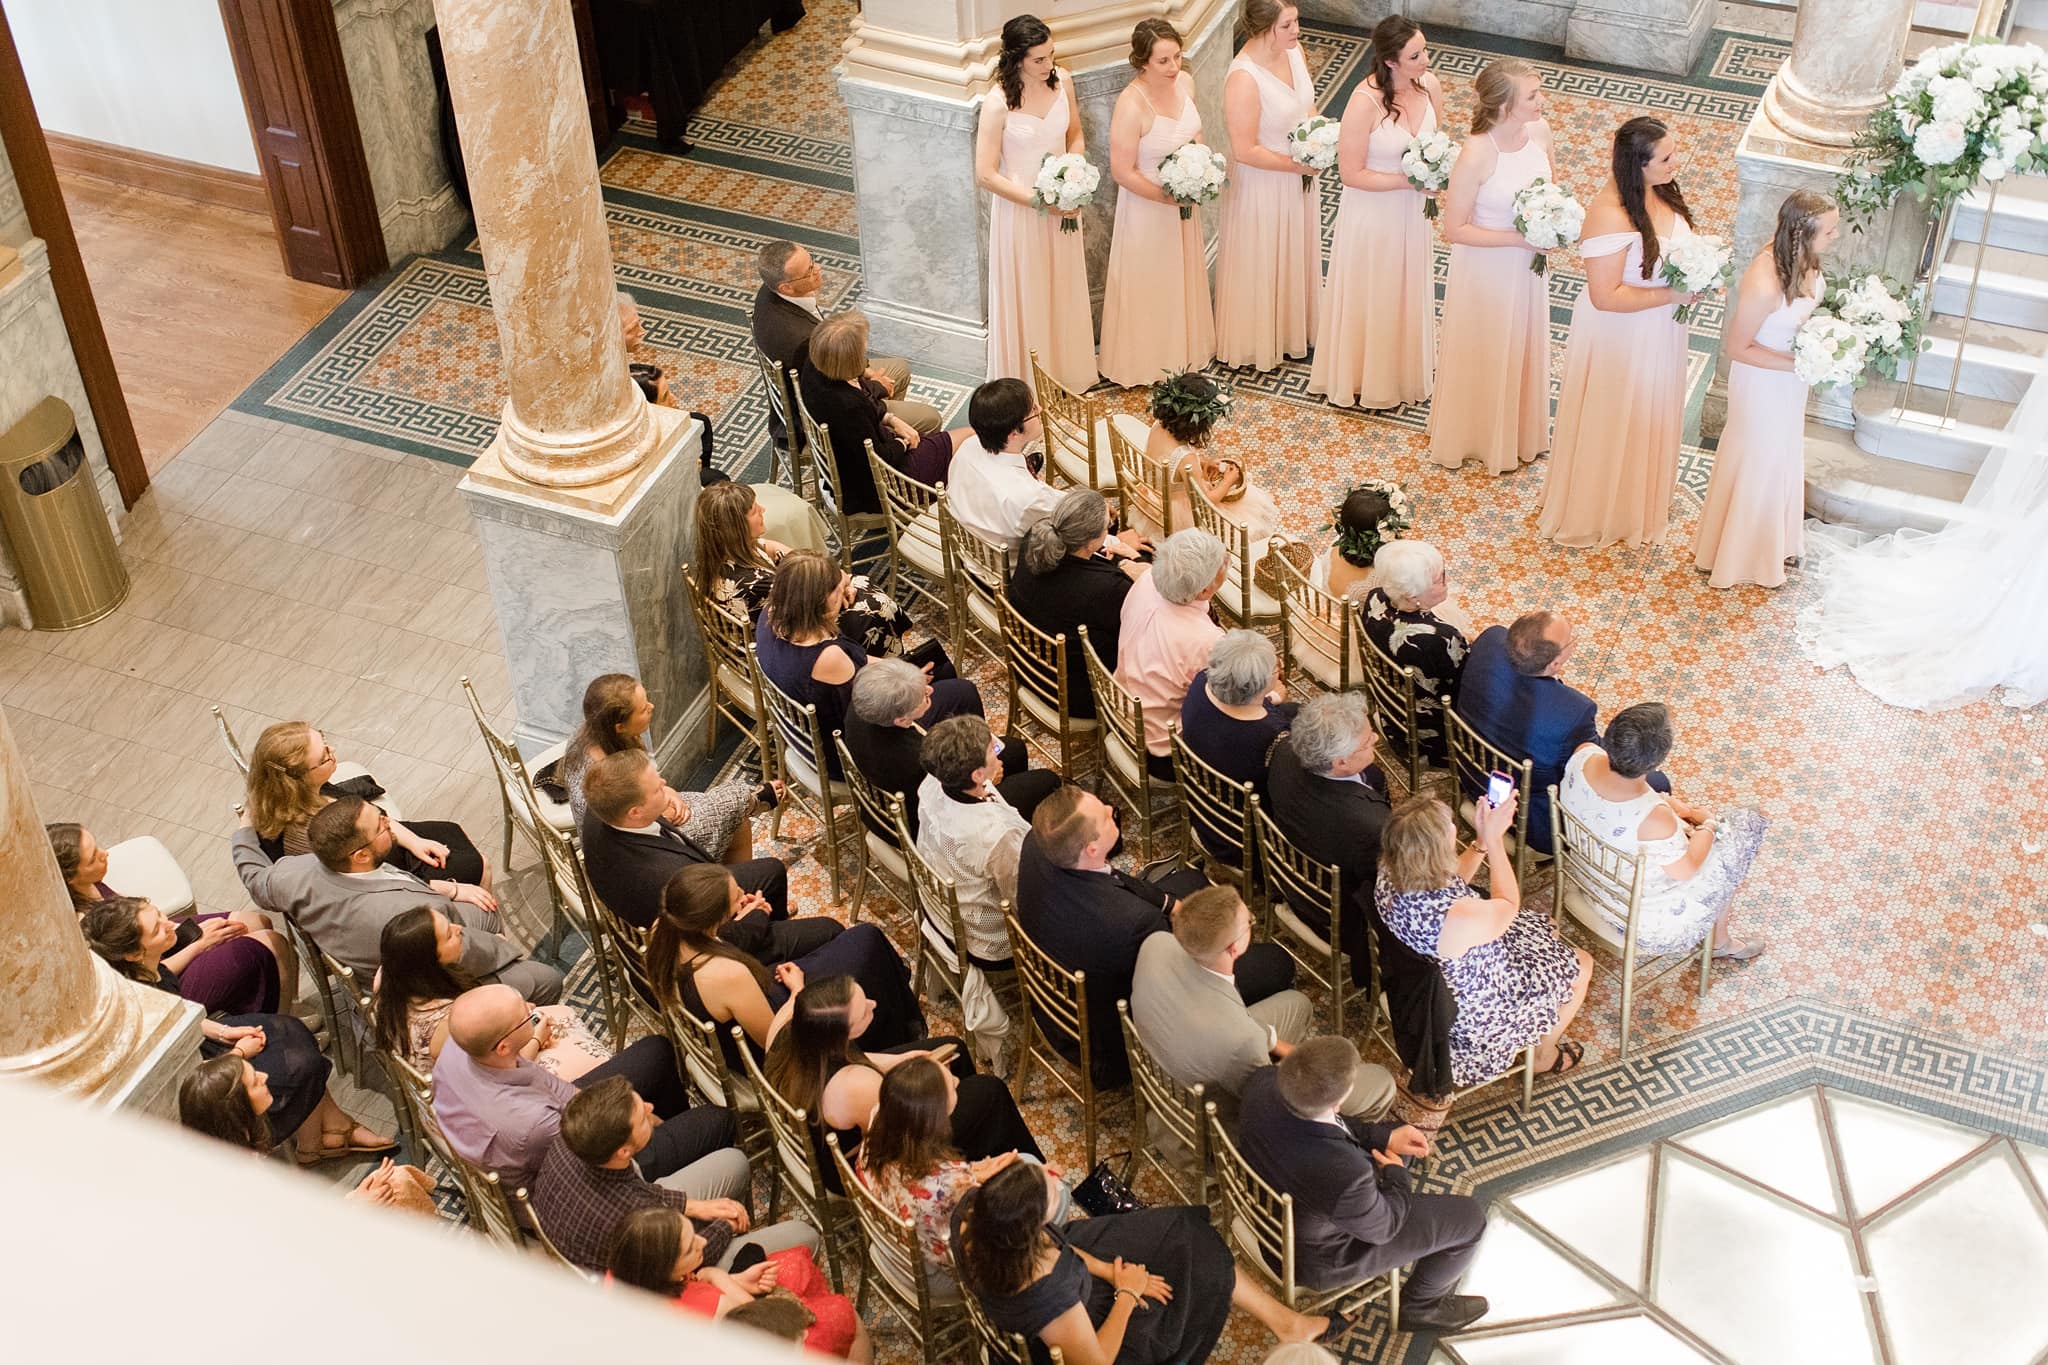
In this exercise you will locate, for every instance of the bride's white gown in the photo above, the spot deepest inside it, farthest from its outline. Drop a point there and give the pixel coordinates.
(1935, 620)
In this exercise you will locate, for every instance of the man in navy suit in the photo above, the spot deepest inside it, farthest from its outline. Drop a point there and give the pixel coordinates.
(1513, 696)
(1356, 1214)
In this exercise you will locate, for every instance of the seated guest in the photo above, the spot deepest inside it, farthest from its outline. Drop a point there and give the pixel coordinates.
(1356, 1214)
(1090, 917)
(342, 893)
(289, 772)
(418, 979)
(630, 850)
(130, 936)
(1185, 1005)
(1164, 635)
(500, 1110)
(829, 382)
(658, 1249)
(803, 652)
(691, 962)
(1186, 409)
(1154, 1287)
(785, 315)
(736, 566)
(617, 716)
(913, 1163)
(1516, 982)
(817, 1064)
(1511, 693)
(885, 735)
(590, 1179)
(1063, 581)
(227, 1098)
(994, 488)
(1322, 800)
(1695, 862)
(235, 963)
(1236, 709)
(1362, 523)
(1398, 616)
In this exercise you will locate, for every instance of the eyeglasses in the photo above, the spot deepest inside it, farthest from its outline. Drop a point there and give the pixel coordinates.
(524, 1020)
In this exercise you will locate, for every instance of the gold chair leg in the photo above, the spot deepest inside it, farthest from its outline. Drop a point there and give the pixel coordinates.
(1706, 962)
(1529, 1078)
(1628, 1003)
(1394, 1300)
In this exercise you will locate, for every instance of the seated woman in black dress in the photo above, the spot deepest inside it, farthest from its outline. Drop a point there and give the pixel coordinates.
(1236, 708)
(1398, 613)
(1153, 1287)
(830, 384)
(803, 652)
(1064, 581)
(816, 1063)
(288, 781)
(131, 936)
(689, 963)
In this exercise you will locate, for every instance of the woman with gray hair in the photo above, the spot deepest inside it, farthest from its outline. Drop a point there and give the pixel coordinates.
(1398, 615)
(1063, 581)
(1237, 708)
(1695, 861)
(1166, 633)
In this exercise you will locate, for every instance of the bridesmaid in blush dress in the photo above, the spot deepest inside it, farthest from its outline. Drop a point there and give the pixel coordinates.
(1155, 307)
(1621, 409)
(1268, 253)
(1037, 274)
(1754, 520)
(1377, 340)
(1492, 399)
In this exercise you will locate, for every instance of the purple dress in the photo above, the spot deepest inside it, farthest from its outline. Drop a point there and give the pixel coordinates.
(236, 977)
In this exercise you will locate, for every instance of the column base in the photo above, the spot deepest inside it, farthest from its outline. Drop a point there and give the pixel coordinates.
(134, 1054)
(1645, 35)
(587, 581)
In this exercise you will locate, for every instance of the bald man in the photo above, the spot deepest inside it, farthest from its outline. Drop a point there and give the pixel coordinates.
(501, 1111)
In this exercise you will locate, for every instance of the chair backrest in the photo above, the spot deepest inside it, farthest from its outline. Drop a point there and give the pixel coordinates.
(727, 636)
(798, 736)
(355, 1012)
(1316, 624)
(1175, 1109)
(1257, 1220)
(1399, 697)
(563, 864)
(895, 1257)
(515, 784)
(881, 811)
(1038, 663)
(986, 563)
(1474, 758)
(997, 1345)
(776, 381)
(820, 463)
(1234, 598)
(1070, 425)
(977, 577)
(704, 1061)
(1608, 876)
(1144, 485)
(791, 1129)
(227, 739)
(490, 1203)
(1219, 809)
(1122, 719)
(938, 912)
(1292, 878)
(905, 503)
(1057, 998)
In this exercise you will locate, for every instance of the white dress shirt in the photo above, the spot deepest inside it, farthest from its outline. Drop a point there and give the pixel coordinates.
(974, 844)
(994, 496)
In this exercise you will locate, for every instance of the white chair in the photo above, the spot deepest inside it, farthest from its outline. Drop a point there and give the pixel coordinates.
(555, 812)
(142, 866)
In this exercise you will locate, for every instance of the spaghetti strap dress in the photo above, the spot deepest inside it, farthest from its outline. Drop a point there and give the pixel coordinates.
(1269, 246)
(1037, 274)
(1156, 313)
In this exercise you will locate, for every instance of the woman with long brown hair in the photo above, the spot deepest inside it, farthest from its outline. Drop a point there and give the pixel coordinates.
(1492, 396)
(1754, 522)
(1621, 408)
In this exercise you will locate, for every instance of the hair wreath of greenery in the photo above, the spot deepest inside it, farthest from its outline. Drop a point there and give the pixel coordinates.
(1174, 397)
(1383, 513)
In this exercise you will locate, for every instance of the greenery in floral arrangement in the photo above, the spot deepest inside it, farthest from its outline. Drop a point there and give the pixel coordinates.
(1368, 516)
(1890, 316)
(1962, 113)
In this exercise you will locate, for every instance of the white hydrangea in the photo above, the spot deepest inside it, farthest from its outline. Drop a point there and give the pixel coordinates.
(1955, 100)
(1828, 351)
(1312, 143)
(1066, 182)
(1939, 143)
(1192, 174)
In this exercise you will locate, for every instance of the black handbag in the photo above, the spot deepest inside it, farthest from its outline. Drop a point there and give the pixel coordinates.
(1104, 1192)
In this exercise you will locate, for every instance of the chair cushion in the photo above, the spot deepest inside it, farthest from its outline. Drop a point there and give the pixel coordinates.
(142, 866)
(1318, 665)
(1586, 911)
(1048, 715)
(921, 548)
(1123, 760)
(1294, 925)
(738, 687)
(888, 857)
(984, 613)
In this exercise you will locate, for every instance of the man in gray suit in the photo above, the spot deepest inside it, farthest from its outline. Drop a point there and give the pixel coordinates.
(1185, 1005)
(342, 894)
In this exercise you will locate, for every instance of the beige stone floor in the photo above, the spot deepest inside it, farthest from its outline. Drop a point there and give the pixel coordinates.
(278, 574)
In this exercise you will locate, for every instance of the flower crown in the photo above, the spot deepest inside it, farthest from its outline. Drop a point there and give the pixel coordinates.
(1358, 544)
(1171, 397)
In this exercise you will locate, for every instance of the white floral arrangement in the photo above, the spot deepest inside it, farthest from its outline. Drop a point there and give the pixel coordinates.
(1547, 217)
(1065, 182)
(1827, 351)
(1697, 263)
(1427, 162)
(1192, 174)
(1312, 143)
(1889, 316)
(1962, 113)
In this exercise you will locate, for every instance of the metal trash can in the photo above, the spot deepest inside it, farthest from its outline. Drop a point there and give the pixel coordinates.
(56, 529)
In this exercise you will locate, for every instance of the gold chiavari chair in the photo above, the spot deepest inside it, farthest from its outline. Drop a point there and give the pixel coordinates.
(800, 757)
(521, 800)
(1400, 701)
(1076, 435)
(1169, 1131)
(783, 461)
(735, 690)
(1240, 601)
(1296, 884)
(1218, 814)
(997, 1346)
(1037, 678)
(894, 1265)
(1120, 719)
(910, 513)
(1318, 632)
(569, 884)
(883, 855)
(1144, 485)
(1055, 1008)
(796, 1156)
(942, 937)
(1473, 758)
(824, 478)
(978, 576)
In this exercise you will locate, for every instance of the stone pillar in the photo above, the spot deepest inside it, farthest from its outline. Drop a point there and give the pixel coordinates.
(582, 502)
(1845, 56)
(70, 1021)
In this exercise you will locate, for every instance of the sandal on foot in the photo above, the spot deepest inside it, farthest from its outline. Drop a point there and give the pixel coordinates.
(1339, 1325)
(1567, 1051)
(347, 1146)
(1742, 949)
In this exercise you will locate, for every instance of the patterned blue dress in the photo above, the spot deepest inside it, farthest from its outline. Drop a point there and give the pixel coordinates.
(1508, 991)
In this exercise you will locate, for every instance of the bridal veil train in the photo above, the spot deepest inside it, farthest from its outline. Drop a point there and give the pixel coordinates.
(1936, 620)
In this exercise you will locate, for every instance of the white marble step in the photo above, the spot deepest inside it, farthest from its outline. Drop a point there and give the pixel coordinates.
(1919, 433)
(2011, 287)
(1848, 486)
(1998, 361)
(2019, 219)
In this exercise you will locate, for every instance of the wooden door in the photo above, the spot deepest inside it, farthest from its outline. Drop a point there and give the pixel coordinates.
(288, 58)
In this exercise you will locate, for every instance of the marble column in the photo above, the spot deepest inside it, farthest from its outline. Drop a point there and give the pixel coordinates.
(1845, 56)
(70, 1021)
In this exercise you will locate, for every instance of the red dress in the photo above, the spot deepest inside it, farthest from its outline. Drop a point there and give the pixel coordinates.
(833, 1332)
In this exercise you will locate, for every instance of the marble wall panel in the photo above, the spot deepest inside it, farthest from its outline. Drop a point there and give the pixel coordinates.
(384, 47)
(1542, 21)
(1645, 35)
(13, 216)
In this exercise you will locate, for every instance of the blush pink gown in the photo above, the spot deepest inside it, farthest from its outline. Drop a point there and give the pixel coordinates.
(1037, 274)
(1376, 346)
(1155, 306)
(1620, 415)
(1492, 398)
(1269, 247)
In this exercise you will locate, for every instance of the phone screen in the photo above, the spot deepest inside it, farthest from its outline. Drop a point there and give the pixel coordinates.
(1499, 786)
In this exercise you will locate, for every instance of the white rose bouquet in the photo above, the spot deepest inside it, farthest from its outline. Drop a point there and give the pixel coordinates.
(1697, 263)
(1192, 174)
(1313, 145)
(1827, 351)
(1887, 315)
(1427, 162)
(1547, 216)
(1962, 113)
(1065, 182)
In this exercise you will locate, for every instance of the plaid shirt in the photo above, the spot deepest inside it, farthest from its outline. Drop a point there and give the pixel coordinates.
(580, 1206)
